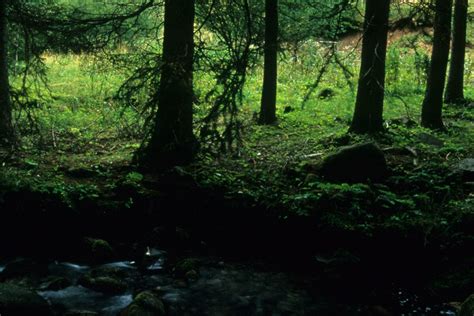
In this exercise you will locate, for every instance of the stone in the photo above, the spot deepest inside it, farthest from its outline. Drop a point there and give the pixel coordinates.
(186, 265)
(20, 301)
(97, 250)
(104, 284)
(80, 173)
(357, 163)
(326, 94)
(191, 276)
(467, 308)
(24, 267)
(145, 304)
(56, 284)
(81, 313)
(429, 139)
(465, 168)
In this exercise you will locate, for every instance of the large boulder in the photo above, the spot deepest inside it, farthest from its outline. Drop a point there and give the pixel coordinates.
(467, 308)
(20, 301)
(145, 304)
(357, 163)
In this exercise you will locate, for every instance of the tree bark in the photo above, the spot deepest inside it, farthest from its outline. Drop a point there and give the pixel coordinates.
(431, 115)
(455, 88)
(368, 113)
(269, 91)
(6, 127)
(173, 142)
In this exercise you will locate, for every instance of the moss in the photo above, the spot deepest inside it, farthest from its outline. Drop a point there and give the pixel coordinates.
(145, 304)
(104, 284)
(186, 265)
(19, 301)
(57, 283)
(456, 283)
(98, 250)
(467, 308)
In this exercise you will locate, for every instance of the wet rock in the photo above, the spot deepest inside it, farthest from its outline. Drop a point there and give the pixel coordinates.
(24, 267)
(104, 284)
(56, 284)
(113, 270)
(378, 310)
(467, 308)
(180, 284)
(145, 304)
(81, 313)
(429, 139)
(19, 301)
(191, 276)
(186, 265)
(97, 251)
(357, 163)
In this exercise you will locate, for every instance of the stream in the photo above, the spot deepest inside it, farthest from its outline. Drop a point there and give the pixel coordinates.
(219, 288)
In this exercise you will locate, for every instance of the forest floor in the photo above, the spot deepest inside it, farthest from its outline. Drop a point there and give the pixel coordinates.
(411, 230)
(267, 202)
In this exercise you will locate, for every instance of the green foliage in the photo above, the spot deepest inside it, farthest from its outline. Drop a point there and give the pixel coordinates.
(80, 124)
(134, 177)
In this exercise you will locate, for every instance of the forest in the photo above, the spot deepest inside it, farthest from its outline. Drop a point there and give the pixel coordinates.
(236, 157)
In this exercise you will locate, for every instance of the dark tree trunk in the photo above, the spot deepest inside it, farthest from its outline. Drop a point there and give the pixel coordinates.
(173, 142)
(6, 128)
(368, 114)
(431, 115)
(454, 89)
(269, 91)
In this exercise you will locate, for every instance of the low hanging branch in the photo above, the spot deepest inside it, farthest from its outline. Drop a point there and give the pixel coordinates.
(41, 27)
(221, 128)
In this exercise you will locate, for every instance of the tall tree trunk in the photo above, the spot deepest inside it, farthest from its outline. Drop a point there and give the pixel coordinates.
(173, 142)
(269, 91)
(454, 89)
(368, 114)
(6, 128)
(431, 115)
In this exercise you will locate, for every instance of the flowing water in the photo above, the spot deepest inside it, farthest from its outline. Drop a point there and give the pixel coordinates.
(219, 289)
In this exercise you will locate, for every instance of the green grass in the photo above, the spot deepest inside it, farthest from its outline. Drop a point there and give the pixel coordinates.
(81, 125)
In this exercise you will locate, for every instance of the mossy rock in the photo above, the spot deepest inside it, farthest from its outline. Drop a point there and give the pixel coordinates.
(191, 276)
(145, 304)
(112, 272)
(20, 301)
(24, 268)
(104, 284)
(98, 251)
(186, 265)
(467, 308)
(80, 173)
(458, 282)
(81, 313)
(356, 163)
(56, 284)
